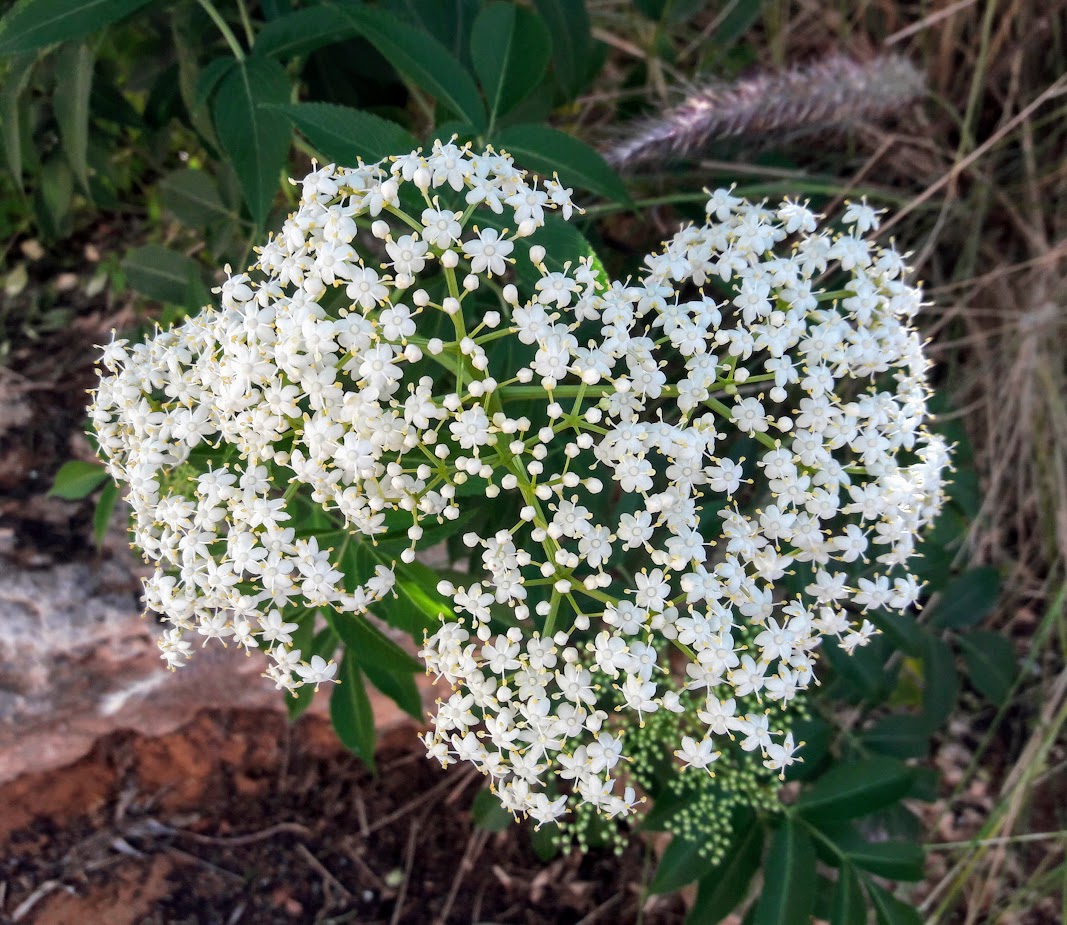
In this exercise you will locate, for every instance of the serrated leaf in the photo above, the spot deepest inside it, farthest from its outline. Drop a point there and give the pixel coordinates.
(849, 906)
(193, 197)
(32, 24)
(302, 32)
(510, 49)
(255, 137)
(680, 864)
(70, 102)
(898, 735)
(850, 790)
(351, 712)
(422, 59)
(941, 682)
(723, 887)
(889, 909)
(967, 600)
(160, 274)
(14, 83)
(76, 480)
(789, 878)
(991, 666)
(547, 151)
(488, 813)
(572, 40)
(341, 133)
(449, 21)
(105, 507)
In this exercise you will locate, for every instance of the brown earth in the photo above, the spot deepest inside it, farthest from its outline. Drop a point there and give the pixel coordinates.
(240, 818)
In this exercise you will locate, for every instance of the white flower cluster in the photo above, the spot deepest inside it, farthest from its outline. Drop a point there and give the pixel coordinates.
(641, 392)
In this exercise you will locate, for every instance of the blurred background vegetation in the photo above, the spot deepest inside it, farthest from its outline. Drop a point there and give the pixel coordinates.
(143, 156)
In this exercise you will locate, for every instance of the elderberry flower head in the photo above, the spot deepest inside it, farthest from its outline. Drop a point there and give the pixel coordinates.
(693, 477)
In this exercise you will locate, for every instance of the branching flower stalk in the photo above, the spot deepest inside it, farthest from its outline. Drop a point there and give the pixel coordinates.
(834, 92)
(757, 444)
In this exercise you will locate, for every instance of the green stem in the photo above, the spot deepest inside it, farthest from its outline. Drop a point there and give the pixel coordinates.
(246, 22)
(227, 32)
(724, 410)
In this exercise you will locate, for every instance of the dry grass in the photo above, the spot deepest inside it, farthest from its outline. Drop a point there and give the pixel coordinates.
(979, 172)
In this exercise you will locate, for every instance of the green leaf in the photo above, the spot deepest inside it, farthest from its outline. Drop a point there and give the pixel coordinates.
(488, 813)
(70, 101)
(510, 48)
(734, 22)
(849, 906)
(110, 104)
(941, 682)
(544, 843)
(675, 10)
(815, 733)
(723, 887)
(680, 864)
(898, 735)
(991, 665)
(789, 878)
(365, 642)
(968, 600)
(193, 197)
(302, 32)
(160, 274)
(323, 644)
(14, 83)
(255, 138)
(850, 790)
(572, 40)
(421, 59)
(563, 243)
(861, 672)
(901, 629)
(423, 606)
(548, 151)
(896, 860)
(351, 712)
(53, 197)
(105, 507)
(210, 77)
(32, 24)
(449, 21)
(889, 909)
(341, 133)
(76, 480)
(398, 686)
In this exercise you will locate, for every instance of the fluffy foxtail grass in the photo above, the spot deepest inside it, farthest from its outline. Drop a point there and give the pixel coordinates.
(834, 92)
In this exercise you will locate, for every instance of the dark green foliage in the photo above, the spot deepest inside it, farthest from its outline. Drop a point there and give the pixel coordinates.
(789, 877)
